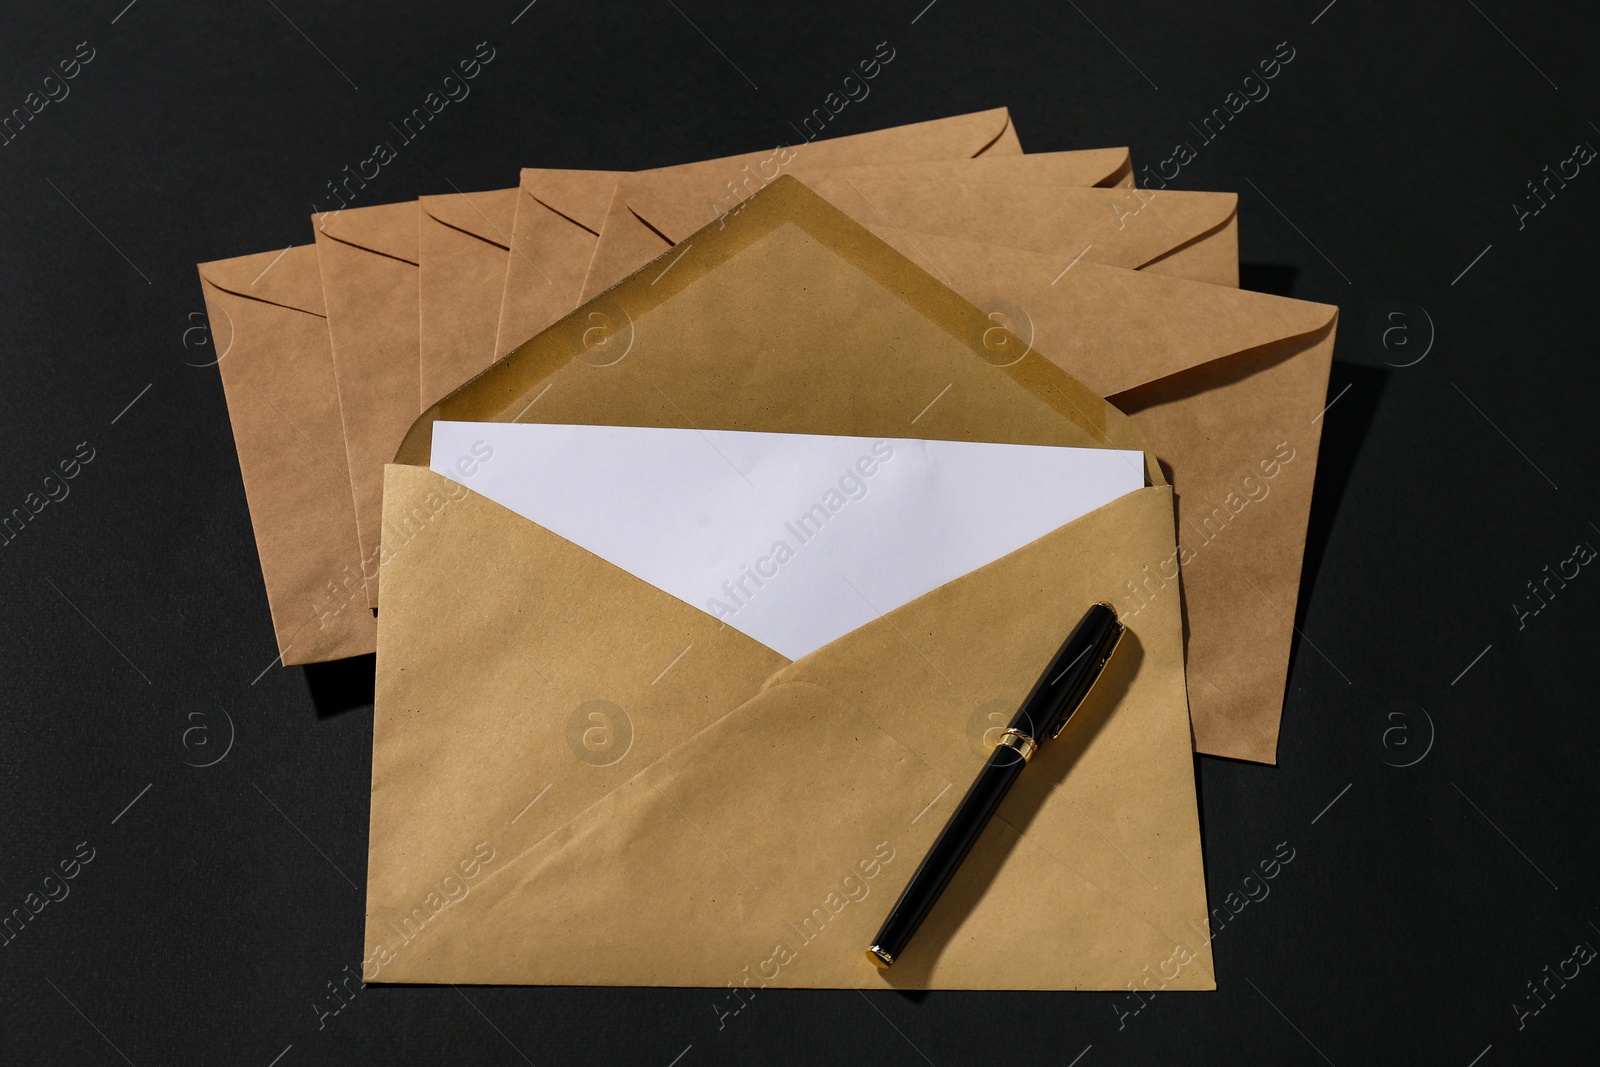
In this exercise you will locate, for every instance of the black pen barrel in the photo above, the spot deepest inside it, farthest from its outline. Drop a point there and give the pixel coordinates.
(1044, 712)
(960, 833)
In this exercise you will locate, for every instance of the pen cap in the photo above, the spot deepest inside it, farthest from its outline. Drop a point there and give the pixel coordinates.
(1070, 675)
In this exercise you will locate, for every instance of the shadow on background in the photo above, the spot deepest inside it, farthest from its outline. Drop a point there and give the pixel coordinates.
(1276, 279)
(343, 685)
(1345, 426)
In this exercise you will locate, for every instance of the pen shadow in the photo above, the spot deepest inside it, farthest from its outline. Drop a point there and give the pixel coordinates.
(1049, 766)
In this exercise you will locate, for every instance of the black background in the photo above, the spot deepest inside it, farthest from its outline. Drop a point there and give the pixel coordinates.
(219, 906)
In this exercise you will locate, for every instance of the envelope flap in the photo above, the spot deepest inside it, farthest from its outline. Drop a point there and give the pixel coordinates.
(732, 178)
(1113, 797)
(957, 135)
(289, 278)
(387, 229)
(791, 319)
(1128, 227)
(488, 216)
(833, 804)
(676, 203)
(484, 611)
(581, 196)
(1115, 329)
(1082, 167)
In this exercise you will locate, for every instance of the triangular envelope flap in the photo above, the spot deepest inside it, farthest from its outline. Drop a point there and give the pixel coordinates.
(792, 539)
(676, 203)
(633, 239)
(1113, 797)
(732, 178)
(1079, 168)
(828, 815)
(1112, 328)
(583, 196)
(513, 660)
(967, 135)
(1129, 227)
(288, 278)
(388, 229)
(788, 319)
(488, 216)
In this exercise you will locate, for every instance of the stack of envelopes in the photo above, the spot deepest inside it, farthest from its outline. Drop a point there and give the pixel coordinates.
(621, 736)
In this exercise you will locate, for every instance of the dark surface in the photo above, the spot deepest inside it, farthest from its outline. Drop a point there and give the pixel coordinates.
(218, 908)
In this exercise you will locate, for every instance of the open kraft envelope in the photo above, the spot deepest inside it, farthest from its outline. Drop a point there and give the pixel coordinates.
(561, 213)
(581, 779)
(368, 260)
(270, 332)
(1065, 199)
(1228, 387)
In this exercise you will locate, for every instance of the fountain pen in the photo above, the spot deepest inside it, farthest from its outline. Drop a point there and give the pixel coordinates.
(1059, 692)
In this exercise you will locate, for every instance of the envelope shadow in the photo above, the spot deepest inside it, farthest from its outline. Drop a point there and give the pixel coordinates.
(1354, 391)
(1275, 279)
(1045, 771)
(342, 685)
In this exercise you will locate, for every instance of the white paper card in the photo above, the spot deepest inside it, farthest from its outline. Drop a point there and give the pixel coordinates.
(792, 539)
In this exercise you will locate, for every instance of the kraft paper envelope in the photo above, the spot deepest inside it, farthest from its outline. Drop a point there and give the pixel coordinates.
(1083, 167)
(1184, 234)
(1227, 386)
(652, 210)
(1215, 418)
(1175, 232)
(580, 779)
(270, 332)
(368, 258)
(465, 240)
(562, 212)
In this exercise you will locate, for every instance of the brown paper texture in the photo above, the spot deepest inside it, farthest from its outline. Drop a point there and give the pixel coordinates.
(270, 331)
(672, 204)
(631, 239)
(1220, 380)
(775, 837)
(462, 251)
(505, 847)
(1082, 167)
(1227, 386)
(1180, 234)
(368, 259)
(558, 219)
(561, 212)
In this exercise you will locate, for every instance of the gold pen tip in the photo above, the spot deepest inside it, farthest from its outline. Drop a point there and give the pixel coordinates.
(880, 959)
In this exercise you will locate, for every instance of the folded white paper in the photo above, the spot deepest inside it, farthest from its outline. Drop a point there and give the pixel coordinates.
(792, 539)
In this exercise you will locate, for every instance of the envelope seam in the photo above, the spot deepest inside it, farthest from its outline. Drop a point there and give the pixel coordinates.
(557, 211)
(364, 248)
(261, 299)
(460, 229)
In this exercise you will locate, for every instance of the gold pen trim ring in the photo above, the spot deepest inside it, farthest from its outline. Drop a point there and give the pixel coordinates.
(1019, 742)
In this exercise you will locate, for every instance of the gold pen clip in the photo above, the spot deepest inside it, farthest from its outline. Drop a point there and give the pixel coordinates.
(1100, 668)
